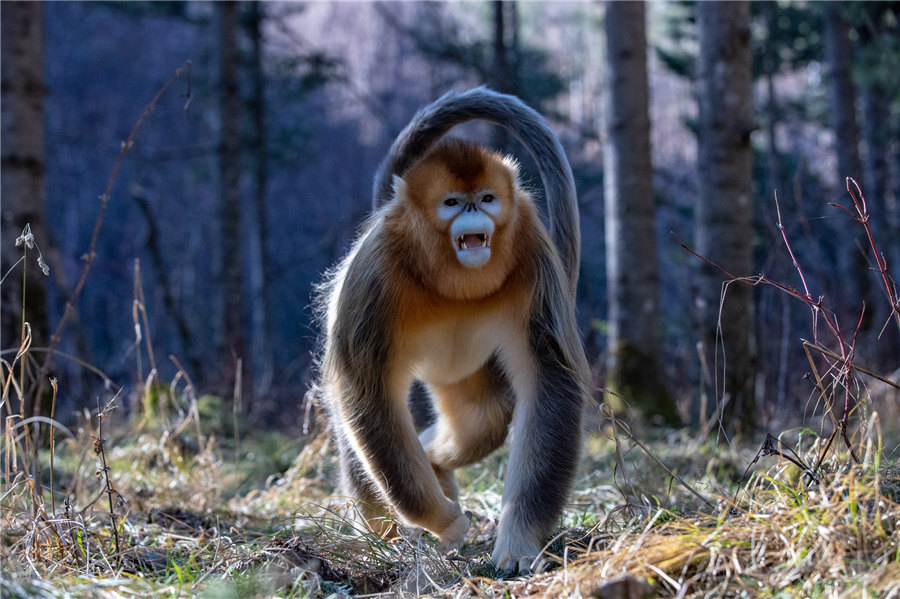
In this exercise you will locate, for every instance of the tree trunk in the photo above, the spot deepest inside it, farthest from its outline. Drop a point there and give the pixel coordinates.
(22, 172)
(260, 343)
(634, 371)
(841, 92)
(231, 267)
(774, 182)
(503, 75)
(876, 113)
(723, 216)
(851, 266)
(502, 72)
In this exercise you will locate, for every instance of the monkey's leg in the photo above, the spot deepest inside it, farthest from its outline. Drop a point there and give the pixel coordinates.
(546, 440)
(381, 431)
(472, 421)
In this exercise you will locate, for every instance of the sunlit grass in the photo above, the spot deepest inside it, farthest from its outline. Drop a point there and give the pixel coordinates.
(189, 525)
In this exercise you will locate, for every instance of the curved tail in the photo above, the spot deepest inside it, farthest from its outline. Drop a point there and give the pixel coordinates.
(432, 122)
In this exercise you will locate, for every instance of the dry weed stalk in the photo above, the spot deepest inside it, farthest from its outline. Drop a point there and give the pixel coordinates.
(22, 492)
(862, 217)
(103, 473)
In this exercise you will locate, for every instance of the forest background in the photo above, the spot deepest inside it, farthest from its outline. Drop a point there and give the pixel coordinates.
(191, 251)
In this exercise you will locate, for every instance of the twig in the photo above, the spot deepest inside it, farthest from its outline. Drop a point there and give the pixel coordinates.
(236, 404)
(774, 446)
(862, 217)
(787, 244)
(668, 470)
(107, 382)
(824, 451)
(104, 201)
(172, 307)
(820, 385)
(855, 366)
(847, 351)
(55, 388)
(608, 412)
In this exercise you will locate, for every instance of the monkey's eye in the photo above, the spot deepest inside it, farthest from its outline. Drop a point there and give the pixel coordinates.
(488, 198)
(451, 202)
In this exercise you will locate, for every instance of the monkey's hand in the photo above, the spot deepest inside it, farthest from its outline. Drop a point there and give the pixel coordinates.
(453, 534)
(514, 554)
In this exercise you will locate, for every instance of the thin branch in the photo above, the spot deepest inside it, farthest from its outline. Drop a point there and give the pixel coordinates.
(618, 424)
(99, 449)
(859, 202)
(104, 201)
(816, 305)
(858, 368)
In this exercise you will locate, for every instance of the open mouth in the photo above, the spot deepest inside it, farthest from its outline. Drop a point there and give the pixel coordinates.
(472, 241)
(473, 250)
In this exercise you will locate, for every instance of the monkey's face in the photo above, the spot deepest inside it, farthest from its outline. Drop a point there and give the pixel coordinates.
(470, 224)
(456, 214)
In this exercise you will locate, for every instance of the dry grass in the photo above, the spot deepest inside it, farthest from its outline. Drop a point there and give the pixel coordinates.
(196, 518)
(837, 538)
(167, 504)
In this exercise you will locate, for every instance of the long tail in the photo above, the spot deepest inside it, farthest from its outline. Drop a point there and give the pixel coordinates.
(432, 122)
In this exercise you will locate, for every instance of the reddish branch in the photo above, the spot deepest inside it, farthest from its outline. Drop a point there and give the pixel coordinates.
(862, 217)
(843, 364)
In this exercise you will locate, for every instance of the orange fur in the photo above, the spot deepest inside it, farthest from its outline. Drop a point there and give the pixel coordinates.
(421, 242)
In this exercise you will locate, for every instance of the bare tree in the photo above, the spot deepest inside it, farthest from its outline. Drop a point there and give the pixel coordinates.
(723, 216)
(504, 80)
(504, 76)
(842, 111)
(841, 91)
(260, 341)
(230, 180)
(774, 182)
(22, 172)
(634, 359)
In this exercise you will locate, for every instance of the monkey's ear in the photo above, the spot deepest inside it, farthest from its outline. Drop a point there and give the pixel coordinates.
(399, 187)
(512, 164)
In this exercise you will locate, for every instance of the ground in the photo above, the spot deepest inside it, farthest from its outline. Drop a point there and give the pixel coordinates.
(202, 510)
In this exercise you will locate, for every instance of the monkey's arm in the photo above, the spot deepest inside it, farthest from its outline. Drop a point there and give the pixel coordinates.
(436, 119)
(382, 434)
(543, 460)
(546, 426)
(370, 401)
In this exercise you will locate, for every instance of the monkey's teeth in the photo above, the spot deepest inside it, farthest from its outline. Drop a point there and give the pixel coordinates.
(473, 240)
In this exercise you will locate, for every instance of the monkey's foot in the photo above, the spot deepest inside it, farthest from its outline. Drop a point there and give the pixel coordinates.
(514, 555)
(454, 534)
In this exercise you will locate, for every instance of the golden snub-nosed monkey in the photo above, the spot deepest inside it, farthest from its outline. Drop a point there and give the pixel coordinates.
(456, 282)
